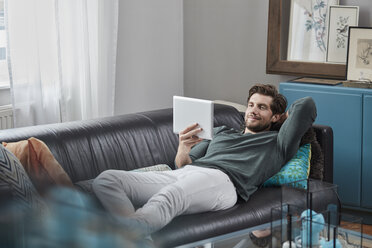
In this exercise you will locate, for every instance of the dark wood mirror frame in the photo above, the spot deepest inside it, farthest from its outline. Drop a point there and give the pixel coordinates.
(274, 63)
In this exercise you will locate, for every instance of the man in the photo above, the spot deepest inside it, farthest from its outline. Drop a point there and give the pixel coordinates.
(211, 174)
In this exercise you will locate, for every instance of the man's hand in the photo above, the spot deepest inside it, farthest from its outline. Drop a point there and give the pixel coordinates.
(187, 139)
(283, 117)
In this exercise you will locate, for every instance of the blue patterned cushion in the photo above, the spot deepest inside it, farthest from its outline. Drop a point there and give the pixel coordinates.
(13, 174)
(296, 171)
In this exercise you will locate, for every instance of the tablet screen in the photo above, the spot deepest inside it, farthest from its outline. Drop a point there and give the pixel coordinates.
(187, 111)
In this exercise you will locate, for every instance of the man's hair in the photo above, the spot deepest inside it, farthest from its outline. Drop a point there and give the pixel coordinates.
(279, 103)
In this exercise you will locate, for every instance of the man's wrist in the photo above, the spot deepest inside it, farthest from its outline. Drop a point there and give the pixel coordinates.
(182, 158)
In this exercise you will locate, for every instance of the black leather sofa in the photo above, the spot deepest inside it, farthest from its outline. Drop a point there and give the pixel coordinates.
(126, 142)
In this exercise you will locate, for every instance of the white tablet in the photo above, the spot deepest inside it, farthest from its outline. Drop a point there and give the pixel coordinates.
(187, 111)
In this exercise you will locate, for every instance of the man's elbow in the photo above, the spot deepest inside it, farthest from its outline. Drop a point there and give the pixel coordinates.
(310, 107)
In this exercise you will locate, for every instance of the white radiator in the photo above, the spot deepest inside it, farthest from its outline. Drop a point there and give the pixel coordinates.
(6, 117)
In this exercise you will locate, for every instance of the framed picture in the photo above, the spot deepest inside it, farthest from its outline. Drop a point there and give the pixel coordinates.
(308, 25)
(359, 57)
(340, 19)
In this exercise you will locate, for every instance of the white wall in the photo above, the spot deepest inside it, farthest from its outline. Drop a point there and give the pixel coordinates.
(150, 55)
(225, 48)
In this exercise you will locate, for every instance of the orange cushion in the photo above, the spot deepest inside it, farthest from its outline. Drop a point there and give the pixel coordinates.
(39, 163)
(20, 150)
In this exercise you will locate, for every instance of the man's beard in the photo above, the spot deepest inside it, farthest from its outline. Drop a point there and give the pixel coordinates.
(258, 128)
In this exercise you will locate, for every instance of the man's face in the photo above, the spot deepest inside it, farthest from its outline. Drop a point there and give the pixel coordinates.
(258, 116)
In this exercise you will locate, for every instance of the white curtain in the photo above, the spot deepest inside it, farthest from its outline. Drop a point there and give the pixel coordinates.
(62, 59)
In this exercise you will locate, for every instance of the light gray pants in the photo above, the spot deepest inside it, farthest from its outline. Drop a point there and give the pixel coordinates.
(163, 195)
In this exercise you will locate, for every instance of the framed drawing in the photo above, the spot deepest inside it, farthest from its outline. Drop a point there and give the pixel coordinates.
(340, 19)
(359, 57)
(307, 38)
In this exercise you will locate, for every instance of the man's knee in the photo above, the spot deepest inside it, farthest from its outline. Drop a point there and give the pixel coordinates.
(171, 199)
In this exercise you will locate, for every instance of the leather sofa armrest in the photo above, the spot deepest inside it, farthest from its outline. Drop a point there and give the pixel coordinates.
(324, 136)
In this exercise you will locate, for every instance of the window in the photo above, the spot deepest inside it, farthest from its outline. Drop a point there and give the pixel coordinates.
(4, 75)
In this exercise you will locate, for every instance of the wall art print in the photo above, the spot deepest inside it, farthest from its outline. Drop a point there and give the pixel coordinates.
(340, 19)
(359, 59)
(308, 26)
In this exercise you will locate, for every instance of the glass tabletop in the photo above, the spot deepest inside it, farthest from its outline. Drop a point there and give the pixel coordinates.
(241, 238)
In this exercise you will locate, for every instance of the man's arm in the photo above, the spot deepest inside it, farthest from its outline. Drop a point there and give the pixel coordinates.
(187, 139)
(300, 117)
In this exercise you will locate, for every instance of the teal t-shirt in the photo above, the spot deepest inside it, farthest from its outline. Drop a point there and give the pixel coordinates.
(250, 159)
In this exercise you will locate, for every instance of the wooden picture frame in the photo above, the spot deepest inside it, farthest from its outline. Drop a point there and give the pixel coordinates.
(276, 65)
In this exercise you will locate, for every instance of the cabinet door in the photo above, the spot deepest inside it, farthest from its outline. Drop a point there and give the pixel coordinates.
(343, 112)
(367, 153)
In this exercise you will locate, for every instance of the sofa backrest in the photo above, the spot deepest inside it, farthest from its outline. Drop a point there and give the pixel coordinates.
(86, 148)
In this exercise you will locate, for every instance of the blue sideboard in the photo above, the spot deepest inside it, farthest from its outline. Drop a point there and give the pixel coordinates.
(349, 112)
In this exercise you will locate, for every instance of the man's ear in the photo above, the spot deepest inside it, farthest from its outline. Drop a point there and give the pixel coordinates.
(275, 118)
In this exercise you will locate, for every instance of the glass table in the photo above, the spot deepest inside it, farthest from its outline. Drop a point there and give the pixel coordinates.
(299, 225)
(241, 239)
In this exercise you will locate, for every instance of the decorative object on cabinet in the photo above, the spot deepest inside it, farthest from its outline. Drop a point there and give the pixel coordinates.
(340, 19)
(359, 59)
(307, 37)
(276, 61)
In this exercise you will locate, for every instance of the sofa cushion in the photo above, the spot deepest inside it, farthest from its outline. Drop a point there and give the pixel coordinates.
(158, 167)
(295, 171)
(20, 150)
(317, 159)
(15, 177)
(39, 163)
